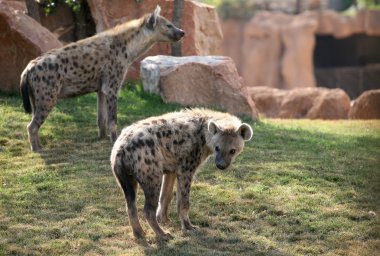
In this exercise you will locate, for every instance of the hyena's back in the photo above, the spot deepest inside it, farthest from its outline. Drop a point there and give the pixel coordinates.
(165, 144)
(73, 70)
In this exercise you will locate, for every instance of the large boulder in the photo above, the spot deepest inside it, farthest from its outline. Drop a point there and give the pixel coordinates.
(22, 39)
(268, 100)
(312, 103)
(198, 81)
(199, 21)
(366, 106)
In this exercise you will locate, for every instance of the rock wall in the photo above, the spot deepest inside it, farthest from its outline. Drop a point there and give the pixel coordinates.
(276, 49)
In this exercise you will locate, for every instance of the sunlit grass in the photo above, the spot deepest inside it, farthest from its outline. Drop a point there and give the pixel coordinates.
(300, 188)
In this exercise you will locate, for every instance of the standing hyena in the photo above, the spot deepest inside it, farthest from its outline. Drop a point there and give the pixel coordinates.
(96, 64)
(156, 151)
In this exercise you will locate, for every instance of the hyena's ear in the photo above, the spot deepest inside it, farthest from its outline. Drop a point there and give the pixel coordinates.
(212, 127)
(152, 20)
(245, 131)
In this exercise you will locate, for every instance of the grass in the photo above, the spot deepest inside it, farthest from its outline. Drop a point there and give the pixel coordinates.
(300, 188)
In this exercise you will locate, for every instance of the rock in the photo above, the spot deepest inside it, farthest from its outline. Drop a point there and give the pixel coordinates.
(332, 23)
(330, 104)
(298, 38)
(366, 106)
(278, 50)
(312, 103)
(198, 81)
(232, 35)
(22, 39)
(268, 100)
(199, 21)
(61, 23)
(372, 22)
(262, 50)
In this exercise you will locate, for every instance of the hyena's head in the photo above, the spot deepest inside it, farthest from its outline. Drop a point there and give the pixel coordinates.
(227, 143)
(164, 30)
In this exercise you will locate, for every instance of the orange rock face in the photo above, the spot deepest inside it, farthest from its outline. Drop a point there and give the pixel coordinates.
(276, 49)
(200, 23)
(198, 81)
(22, 39)
(312, 103)
(366, 106)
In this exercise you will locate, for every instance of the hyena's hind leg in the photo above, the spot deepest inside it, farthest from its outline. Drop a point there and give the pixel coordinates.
(151, 187)
(42, 107)
(166, 196)
(129, 186)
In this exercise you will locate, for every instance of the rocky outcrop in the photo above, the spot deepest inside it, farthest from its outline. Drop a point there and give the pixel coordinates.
(277, 49)
(312, 103)
(198, 81)
(22, 39)
(366, 106)
(298, 39)
(199, 21)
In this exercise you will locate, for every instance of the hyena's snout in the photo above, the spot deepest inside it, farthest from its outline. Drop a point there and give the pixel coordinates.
(178, 34)
(221, 162)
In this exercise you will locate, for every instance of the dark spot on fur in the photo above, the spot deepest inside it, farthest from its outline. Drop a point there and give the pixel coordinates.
(147, 161)
(153, 152)
(175, 142)
(149, 143)
(158, 134)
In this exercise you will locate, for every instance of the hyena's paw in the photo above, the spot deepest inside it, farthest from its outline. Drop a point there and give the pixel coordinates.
(166, 237)
(187, 226)
(164, 220)
(139, 234)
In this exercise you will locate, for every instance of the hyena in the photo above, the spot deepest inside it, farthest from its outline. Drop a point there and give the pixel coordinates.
(95, 64)
(159, 150)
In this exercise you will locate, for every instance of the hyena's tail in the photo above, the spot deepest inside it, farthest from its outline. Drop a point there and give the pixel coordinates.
(24, 89)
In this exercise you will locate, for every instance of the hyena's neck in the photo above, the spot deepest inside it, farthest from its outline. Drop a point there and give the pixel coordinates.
(136, 40)
(138, 45)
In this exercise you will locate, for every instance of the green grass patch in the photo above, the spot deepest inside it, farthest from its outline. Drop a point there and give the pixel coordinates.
(299, 188)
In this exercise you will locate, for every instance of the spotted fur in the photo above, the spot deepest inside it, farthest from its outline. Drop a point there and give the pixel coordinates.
(159, 150)
(96, 64)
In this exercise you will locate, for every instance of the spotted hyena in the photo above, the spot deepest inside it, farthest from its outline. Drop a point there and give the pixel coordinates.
(96, 64)
(159, 150)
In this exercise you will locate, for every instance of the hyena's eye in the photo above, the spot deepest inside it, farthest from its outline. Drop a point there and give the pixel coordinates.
(232, 151)
(169, 26)
(217, 149)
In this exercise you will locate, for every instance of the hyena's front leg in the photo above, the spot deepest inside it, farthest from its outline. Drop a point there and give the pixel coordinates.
(112, 116)
(166, 196)
(102, 114)
(183, 200)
